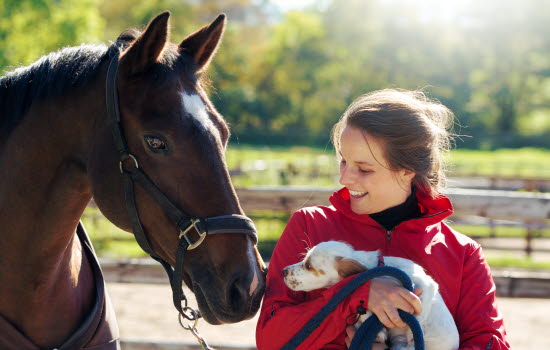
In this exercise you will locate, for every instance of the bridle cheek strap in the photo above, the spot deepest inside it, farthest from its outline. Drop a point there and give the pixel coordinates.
(187, 225)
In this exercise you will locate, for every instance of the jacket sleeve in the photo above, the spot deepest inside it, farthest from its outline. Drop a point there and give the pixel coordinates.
(480, 323)
(284, 312)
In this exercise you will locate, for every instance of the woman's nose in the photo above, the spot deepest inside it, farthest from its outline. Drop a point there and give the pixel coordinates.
(346, 178)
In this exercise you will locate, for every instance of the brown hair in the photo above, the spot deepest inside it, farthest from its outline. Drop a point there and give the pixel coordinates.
(413, 129)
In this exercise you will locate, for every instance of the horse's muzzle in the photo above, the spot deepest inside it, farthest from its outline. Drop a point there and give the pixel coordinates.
(238, 301)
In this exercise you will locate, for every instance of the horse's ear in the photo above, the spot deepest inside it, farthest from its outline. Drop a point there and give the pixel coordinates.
(148, 47)
(202, 44)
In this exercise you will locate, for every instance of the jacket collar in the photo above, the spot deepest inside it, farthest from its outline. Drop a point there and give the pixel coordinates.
(434, 210)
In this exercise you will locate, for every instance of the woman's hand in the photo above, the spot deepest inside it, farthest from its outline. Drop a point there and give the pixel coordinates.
(386, 296)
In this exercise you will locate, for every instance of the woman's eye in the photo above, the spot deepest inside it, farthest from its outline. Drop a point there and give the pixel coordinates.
(155, 143)
(364, 171)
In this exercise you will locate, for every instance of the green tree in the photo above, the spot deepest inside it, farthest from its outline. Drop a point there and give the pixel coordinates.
(31, 28)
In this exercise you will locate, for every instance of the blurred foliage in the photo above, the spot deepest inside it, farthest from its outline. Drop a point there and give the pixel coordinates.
(31, 28)
(286, 77)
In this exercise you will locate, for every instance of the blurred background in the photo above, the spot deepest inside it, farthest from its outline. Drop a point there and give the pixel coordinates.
(287, 69)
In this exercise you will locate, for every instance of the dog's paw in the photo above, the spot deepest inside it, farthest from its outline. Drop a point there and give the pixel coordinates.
(381, 337)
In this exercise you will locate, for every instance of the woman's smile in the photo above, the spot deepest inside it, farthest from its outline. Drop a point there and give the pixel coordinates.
(357, 194)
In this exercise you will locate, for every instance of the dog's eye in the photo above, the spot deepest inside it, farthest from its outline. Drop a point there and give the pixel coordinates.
(308, 266)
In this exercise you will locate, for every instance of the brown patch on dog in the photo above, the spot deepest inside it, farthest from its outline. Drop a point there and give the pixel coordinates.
(309, 268)
(347, 267)
(316, 272)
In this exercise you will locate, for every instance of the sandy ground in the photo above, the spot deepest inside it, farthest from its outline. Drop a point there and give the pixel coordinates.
(145, 312)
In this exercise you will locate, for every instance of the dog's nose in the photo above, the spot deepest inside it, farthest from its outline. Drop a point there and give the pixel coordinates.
(285, 272)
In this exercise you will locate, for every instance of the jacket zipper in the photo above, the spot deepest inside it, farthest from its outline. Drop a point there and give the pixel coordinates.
(389, 232)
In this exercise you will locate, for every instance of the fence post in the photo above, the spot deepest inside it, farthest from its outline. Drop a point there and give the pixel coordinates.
(529, 240)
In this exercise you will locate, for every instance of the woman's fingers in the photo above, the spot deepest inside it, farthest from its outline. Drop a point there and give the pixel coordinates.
(395, 319)
(412, 300)
(387, 296)
(384, 318)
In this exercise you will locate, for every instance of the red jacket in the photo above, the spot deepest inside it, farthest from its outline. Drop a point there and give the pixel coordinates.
(454, 261)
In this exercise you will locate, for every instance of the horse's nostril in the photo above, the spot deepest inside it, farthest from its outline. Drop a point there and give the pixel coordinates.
(238, 295)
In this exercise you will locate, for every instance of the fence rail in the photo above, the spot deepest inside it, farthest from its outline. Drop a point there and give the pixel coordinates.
(526, 209)
(471, 207)
(525, 206)
(521, 284)
(500, 183)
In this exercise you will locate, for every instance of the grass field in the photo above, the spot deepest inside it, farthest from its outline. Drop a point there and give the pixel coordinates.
(257, 166)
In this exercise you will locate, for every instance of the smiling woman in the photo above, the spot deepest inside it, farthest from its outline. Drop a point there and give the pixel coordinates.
(372, 185)
(390, 143)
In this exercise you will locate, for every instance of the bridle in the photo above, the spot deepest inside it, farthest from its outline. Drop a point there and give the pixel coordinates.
(187, 225)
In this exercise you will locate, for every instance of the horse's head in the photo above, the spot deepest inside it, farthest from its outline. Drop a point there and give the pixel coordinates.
(179, 140)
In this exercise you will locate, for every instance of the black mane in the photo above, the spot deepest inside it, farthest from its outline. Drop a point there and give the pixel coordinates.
(62, 71)
(50, 76)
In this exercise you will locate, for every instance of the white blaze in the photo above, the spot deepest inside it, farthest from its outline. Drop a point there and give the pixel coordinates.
(195, 106)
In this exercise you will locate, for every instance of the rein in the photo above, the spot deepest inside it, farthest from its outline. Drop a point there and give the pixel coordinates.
(188, 226)
(366, 334)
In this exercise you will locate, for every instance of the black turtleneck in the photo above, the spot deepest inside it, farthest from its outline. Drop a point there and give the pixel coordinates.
(393, 216)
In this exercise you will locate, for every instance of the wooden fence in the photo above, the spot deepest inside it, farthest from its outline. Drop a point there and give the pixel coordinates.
(526, 206)
(500, 183)
(520, 284)
(471, 207)
(488, 208)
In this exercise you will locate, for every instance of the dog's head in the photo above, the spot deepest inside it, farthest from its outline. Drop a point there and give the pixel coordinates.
(323, 266)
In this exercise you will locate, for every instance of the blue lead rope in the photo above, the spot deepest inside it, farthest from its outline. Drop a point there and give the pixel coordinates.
(366, 334)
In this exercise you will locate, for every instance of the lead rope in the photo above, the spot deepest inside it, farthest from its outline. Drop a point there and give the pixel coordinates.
(366, 334)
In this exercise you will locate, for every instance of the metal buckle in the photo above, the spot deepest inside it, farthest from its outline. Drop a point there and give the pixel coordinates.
(202, 235)
(126, 157)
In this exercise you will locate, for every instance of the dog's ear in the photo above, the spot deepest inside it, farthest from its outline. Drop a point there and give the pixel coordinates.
(347, 267)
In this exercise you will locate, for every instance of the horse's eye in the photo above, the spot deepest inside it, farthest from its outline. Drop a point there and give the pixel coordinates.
(155, 143)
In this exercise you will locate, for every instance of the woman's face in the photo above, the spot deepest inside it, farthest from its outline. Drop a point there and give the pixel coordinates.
(364, 171)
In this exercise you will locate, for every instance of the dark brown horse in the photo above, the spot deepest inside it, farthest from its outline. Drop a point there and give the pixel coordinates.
(57, 151)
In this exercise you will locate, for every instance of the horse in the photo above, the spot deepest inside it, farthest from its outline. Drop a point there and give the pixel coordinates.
(129, 125)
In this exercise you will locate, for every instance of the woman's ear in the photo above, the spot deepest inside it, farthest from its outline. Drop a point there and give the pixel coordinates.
(347, 267)
(405, 177)
(407, 174)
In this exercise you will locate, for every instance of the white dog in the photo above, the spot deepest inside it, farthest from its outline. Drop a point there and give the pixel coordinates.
(329, 262)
